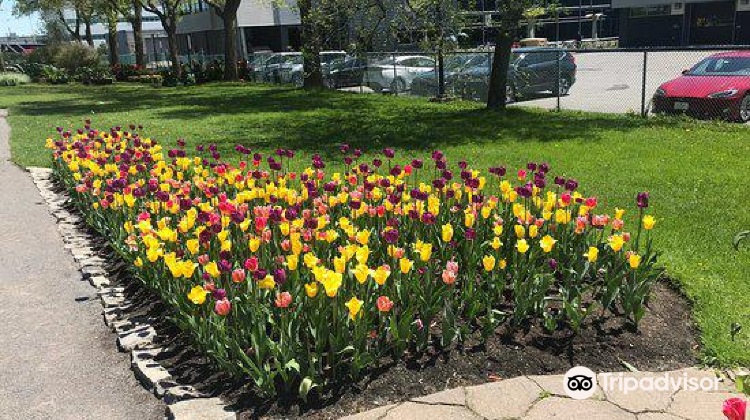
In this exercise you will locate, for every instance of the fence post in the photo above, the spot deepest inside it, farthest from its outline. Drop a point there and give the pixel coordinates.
(559, 73)
(643, 85)
(393, 83)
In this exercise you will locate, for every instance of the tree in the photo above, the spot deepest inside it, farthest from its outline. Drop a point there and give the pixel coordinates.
(132, 11)
(111, 13)
(83, 14)
(168, 12)
(511, 13)
(227, 11)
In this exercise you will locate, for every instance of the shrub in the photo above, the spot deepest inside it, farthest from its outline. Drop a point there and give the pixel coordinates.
(308, 278)
(99, 75)
(13, 79)
(73, 56)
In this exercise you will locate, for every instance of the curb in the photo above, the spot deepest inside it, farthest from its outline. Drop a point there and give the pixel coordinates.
(135, 337)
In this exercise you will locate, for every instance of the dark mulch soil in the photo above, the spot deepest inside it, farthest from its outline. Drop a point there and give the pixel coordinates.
(666, 340)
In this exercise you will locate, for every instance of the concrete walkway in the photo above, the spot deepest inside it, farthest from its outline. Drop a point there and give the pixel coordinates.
(57, 358)
(544, 398)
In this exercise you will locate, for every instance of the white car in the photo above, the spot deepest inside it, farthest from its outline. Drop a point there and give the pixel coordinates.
(396, 74)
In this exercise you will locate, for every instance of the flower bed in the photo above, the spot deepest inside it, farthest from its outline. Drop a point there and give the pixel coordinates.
(303, 279)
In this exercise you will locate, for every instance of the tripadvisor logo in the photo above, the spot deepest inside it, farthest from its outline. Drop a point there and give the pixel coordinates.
(580, 382)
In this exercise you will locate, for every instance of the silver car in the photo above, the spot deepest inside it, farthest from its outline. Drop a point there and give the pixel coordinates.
(396, 74)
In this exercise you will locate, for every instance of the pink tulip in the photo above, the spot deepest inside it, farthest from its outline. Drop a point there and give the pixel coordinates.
(238, 275)
(735, 408)
(283, 300)
(222, 307)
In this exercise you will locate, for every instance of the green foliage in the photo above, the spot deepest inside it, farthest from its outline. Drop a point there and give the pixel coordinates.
(13, 79)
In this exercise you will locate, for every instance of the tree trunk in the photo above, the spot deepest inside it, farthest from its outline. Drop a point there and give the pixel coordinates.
(171, 30)
(312, 74)
(137, 24)
(89, 35)
(229, 16)
(498, 83)
(114, 54)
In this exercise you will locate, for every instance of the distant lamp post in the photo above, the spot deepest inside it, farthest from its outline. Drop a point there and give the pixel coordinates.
(595, 24)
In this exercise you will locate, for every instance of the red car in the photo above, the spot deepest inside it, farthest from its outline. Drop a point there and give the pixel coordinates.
(717, 87)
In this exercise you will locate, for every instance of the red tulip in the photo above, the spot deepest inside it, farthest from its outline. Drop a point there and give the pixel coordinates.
(384, 304)
(735, 408)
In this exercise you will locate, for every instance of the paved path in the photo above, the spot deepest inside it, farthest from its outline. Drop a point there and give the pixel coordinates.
(57, 359)
(544, 398)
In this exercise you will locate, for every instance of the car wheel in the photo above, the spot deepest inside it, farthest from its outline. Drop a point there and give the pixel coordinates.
(563, 86)
(398, 85)
(744, 114)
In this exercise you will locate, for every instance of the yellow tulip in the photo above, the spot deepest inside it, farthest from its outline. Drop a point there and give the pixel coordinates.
(311, 289)
(362, 254)
(212, 269)
(339, 264)
(634, 260)
(616, 242)
(197, 295)
(489, 262)
(361, 272)
(363, 237)
(547, 243)
(405, 265)
(292, 261)
(267, 283)
(469, 219)
(381, 275)
(447, 232)
(193, 246)
(354, 305)
(502, 264)
(520, 231)
(648, 222)
(254, 244)
(593, 254)
(425, 252)
(496, 244)
(332, 282)
(522, 246)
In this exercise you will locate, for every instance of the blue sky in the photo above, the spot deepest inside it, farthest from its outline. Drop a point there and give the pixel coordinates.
(21, 26)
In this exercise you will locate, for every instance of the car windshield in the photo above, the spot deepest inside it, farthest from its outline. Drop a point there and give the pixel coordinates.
(722, 66)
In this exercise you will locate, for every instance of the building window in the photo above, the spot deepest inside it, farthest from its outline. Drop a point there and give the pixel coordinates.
(648, 11)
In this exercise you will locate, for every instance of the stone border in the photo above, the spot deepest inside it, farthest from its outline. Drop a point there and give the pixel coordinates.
(133, 336)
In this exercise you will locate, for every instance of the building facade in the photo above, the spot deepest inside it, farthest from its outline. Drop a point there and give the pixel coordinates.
(262, 27)
(692, 22)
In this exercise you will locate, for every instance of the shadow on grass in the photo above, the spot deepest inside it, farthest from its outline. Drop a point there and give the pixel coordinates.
(273, 116)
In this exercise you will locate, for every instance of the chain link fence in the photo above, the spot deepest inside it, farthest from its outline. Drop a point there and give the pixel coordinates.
(705, 82)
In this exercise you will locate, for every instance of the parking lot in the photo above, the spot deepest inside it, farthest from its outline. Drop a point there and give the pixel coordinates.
(612, 81)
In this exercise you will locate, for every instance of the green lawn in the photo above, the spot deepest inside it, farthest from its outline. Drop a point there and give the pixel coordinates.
(697, 172)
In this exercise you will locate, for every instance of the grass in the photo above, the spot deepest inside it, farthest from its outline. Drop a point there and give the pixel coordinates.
(697, 172)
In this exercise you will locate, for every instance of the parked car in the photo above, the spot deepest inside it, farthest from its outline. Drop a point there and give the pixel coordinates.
(716, 87)
(292, 70)
(396, 74)
(346, 72)
(426, 84)
(531, 71)
(270, 70)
